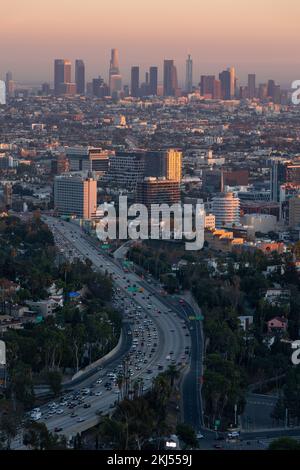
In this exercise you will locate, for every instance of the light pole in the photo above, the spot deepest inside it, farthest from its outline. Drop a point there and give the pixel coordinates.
(235, 415)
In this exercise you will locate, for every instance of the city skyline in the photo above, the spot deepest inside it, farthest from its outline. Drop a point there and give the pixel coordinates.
(251, 39)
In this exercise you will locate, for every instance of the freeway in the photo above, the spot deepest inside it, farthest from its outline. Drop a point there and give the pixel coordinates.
(158, 333)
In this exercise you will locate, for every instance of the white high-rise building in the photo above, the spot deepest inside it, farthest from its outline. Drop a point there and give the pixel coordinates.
(2, 92)
(75, 196)
(226, 209)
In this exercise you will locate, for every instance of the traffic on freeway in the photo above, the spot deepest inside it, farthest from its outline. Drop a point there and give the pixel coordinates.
(159, 338)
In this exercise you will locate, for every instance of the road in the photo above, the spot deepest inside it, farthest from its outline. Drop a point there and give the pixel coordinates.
(166, 339)
(193, 409)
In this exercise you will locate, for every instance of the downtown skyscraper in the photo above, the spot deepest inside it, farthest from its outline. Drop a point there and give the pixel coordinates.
(251, 85)
(227, 79)
(80, 77)
(62, 75)
(170, 78)
(135, 81)
(153, 72)
(115, 78)
(189, 75)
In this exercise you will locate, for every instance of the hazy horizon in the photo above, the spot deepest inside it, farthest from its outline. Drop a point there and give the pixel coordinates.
(253, 37)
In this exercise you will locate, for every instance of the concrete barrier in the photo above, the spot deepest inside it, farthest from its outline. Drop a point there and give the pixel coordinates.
(90, 369)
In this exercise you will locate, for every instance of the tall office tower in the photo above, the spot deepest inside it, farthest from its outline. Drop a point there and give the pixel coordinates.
(62, 74)
(126, 169)
(88, 158)
(271, 88)
(115, 78)
(99, 88)
(115, 86)
(158, 191)
(277, 94)
(189, 75)
(278, 176)
(114, 63)
(174, 165)
(75, 196)
(226, 209)
(207, 85)
(262, 91)
(80, 76)
(135, 81)
(233, 81)
(45, 89)
(60, 164)
(294, 212)
(8, 76)
(2, 92)
(251, 85)
(225, 79)
(170, 78)
(164, 164)
(153, 72)
(10, 84)
(217, 93)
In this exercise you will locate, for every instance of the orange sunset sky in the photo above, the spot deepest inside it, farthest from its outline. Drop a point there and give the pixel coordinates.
(261, 36)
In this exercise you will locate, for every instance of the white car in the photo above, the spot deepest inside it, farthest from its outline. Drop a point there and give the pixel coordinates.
(199, 435)
(99, 381)
(98, 394)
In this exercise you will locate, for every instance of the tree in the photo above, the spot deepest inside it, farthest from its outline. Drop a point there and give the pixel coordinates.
(172, 373)
(187, 434)
(37, 437)
(10, 419)
(55, 381)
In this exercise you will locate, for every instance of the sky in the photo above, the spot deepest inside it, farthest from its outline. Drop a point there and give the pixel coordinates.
(259, 36)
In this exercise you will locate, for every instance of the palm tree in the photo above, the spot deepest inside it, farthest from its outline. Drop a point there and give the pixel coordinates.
(173, 374)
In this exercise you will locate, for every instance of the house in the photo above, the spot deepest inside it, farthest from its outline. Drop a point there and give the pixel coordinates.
(246, 321)
(45, 307)
(278, 296)
(277, 324)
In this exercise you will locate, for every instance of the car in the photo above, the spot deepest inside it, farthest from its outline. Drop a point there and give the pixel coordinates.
(58, 429)
(99, 381)
(80, 420)
(98, 394)
(199, 435)
(59, 412)
(74, 415)
(87, 405)
(233, 434)
(218, 446)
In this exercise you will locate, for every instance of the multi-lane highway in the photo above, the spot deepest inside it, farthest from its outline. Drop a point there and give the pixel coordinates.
(159, 338)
